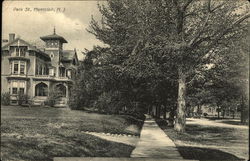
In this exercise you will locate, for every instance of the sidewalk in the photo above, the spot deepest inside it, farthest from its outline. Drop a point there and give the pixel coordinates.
(154, 143)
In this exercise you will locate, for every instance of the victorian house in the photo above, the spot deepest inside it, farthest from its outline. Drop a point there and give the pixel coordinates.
(37, 72)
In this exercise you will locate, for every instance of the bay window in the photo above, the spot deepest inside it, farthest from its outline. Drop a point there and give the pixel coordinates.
(21, 90)
(14, 90)
(16, 64)
(18, 67)
(17, 87)
(11, 67)
(22, 67)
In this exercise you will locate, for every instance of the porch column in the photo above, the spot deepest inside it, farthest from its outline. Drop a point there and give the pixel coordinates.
(67, 92)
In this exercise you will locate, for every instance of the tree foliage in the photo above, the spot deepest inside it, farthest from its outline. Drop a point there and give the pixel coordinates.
(183, 35)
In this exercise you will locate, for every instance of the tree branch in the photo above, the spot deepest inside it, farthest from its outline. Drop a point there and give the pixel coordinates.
(199, 33)
(186, 5)
(219, 32)
(135, 47)
(190, 14)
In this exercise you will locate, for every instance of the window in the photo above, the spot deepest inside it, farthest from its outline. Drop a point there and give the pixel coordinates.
(14, 90)
(22, 68)
(13, 101)
(51, 55)
(44, 71)
(17, 52)
(18, 67)
(15, 67)
(21, 90)
(36, 69)
(69, 73)
(18, 87)
(22, 52)
(40, 70)
(10, 67)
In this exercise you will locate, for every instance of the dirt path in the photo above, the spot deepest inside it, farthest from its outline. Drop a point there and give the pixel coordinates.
(216, 123)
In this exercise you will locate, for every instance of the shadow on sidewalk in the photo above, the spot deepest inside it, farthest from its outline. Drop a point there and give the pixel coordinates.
(196, 153)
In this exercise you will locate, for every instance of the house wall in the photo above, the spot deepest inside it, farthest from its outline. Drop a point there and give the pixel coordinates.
(5, 70)
(39, 62)
(4, 84)
(31, 65)
(55, 59)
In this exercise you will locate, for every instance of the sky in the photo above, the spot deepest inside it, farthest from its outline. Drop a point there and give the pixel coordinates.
(30, 20)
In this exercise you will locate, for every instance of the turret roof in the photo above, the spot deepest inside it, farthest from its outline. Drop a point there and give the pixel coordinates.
(54, 36)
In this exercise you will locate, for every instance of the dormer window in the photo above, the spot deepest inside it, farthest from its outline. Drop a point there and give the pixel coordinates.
(20, 51)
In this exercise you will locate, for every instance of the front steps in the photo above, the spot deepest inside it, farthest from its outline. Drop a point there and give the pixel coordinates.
(39, 101)
(61, 102)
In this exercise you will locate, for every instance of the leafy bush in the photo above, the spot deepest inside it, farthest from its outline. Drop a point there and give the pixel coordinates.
(23, 99)
(109, 102)
(103, 103)
(76, 99)
(5, 98)
(51, 99)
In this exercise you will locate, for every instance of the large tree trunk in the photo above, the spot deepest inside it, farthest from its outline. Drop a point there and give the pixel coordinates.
(180, 121)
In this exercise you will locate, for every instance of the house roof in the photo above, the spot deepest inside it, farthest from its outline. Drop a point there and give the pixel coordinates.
(54, 36)
(21, 42)
(68, 55)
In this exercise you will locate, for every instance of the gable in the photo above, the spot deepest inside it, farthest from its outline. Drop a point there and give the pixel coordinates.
(19, 42)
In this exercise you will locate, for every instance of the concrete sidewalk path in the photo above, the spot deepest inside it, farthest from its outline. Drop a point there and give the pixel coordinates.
(154, 143)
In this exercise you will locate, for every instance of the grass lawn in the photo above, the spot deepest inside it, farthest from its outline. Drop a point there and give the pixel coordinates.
(209, 142)
(39, 133)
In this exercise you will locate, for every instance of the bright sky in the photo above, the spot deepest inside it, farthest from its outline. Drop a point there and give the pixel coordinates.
(71, 23)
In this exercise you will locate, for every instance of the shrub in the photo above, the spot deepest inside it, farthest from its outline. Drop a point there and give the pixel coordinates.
(103, 103)
(5, 98)
(53, 96)
(23, 99)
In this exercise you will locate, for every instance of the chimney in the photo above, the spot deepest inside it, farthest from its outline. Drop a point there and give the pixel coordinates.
(11, 37)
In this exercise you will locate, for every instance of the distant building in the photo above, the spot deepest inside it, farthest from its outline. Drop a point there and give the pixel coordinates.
(37, 72)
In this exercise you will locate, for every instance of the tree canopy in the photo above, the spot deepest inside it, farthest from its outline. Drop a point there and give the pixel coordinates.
(155, 45)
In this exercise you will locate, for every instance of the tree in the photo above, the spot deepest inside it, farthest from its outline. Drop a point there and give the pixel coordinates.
(186, 33)
(229, 76)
